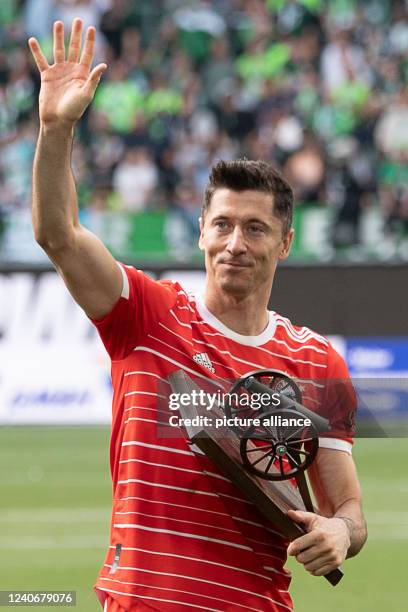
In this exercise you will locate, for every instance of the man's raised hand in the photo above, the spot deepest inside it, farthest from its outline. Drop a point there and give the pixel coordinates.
(68, 85)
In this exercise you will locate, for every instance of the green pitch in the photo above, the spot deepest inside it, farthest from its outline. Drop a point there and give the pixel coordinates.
(55, 511)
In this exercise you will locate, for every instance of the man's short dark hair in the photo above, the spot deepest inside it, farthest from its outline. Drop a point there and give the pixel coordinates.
(245, 174)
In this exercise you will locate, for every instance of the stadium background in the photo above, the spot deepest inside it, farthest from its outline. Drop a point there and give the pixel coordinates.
(318, 88)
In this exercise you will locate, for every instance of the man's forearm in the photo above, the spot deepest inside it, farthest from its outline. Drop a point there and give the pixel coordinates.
(351, 513)
(337, 491)
(55, 209)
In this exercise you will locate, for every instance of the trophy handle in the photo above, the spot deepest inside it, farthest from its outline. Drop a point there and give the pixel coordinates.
(334, 576)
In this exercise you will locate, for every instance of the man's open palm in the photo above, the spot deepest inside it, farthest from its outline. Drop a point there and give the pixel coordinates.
(68, 86)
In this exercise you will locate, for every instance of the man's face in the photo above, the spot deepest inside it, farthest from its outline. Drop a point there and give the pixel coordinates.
(242, 240)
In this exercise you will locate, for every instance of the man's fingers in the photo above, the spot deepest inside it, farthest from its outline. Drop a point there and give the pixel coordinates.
(315, 558)
(314, 538)
(94, 78)
(59, 49)
(75, 41)
(322, 564)
(325, 569)
(88, 50)
(305, 518)
(38, 56)
(97, 72)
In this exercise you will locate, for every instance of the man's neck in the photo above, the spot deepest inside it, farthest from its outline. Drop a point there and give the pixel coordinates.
(244, 315)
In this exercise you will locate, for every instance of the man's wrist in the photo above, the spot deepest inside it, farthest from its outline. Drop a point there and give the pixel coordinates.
(59, 128)
(348, 522)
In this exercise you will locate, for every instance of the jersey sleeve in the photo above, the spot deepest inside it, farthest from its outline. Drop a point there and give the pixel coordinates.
(340, 404)
(143, 302)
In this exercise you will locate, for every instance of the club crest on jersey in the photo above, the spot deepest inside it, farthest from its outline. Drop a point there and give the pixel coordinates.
(204, 360)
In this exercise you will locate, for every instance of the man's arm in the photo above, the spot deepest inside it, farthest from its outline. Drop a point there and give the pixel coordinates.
(341, 530)
(337, 490)
(67, 87)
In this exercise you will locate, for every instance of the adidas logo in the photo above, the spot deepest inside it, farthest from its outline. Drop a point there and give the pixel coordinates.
(204, 360)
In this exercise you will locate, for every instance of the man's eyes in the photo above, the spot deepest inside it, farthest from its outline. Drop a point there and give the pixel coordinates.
(221, 224)
(255, 229)
(251, 229)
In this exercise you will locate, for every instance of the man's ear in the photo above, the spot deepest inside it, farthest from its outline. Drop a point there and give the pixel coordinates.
(286, 244)
(200, 240)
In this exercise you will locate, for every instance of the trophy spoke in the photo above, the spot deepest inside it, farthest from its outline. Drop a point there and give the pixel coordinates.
(300, 450)
(307, 440)
(263, 457)
(270, 463)
(295, 442)
(251, 450)
(293, 459)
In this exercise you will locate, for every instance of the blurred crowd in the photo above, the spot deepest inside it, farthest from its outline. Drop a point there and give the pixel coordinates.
(317, 87)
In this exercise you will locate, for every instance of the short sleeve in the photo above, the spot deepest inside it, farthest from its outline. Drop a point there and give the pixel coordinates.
(143, 302)
(340, 404)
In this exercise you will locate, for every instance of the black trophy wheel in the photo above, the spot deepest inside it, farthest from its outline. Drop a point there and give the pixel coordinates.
(279, 445)
(275, 380)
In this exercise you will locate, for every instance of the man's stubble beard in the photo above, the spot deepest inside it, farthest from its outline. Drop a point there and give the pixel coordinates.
(243, 287)
(236, 286)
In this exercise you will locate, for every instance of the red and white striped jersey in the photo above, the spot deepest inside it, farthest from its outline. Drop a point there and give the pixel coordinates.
(182, 535)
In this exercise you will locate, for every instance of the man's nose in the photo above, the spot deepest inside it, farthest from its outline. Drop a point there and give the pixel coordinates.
(236, 242)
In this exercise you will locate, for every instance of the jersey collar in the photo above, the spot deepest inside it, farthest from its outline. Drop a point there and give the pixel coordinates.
(258, 340)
